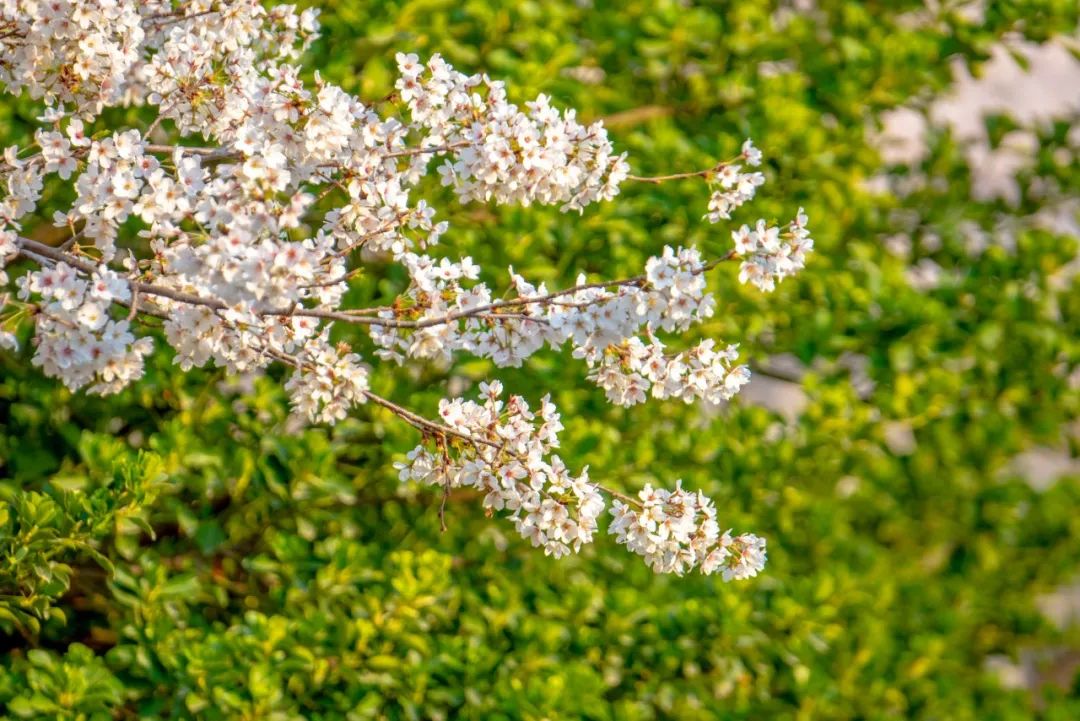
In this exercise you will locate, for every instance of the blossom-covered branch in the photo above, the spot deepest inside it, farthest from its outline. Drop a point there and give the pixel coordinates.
(253, 202)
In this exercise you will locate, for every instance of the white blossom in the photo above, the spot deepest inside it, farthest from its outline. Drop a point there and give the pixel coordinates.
(676, 532)
(769, 254)
(270, 192)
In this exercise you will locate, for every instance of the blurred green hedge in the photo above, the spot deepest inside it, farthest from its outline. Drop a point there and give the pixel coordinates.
(182, 550)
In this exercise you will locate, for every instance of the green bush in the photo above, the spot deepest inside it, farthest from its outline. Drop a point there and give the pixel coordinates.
(182, 550)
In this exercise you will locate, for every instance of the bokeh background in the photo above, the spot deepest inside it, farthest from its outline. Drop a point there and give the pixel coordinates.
(907, 446)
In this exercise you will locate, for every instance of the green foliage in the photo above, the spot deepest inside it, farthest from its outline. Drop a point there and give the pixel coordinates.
(39, 531)
(183, 550)
(75, 685)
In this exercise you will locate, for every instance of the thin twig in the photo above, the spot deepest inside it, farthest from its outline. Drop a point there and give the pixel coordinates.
(679, 176)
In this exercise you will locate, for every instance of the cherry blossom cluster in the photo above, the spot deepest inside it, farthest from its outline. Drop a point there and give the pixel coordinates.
(769, 254)
(328, 381)
(676, 531)
(509, 155)
(8, 250)
(76, 53)
(76, 339)
(628, 371)
(228, 222)
(505, 451)
(735, 187)
(448, 317)
(23, 183)
(508, 457)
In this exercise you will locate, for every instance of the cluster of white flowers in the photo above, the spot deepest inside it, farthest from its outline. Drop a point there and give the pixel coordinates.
(8, 249)
(510, 460)
(71, 52)
(264, 193)
(23, 183)
(601, 324)
(506, 451)
(76, 339)
(736, 187)
(508, 155)
(676, 531)
(770, 255)
(328, 382)
(628, 371)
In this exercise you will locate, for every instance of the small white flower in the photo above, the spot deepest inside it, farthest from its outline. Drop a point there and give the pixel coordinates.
(750, 154)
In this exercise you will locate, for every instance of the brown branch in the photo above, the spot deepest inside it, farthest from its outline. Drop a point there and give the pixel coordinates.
(208, 153)
(173, 18)
(27, 245)
(222, 153)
